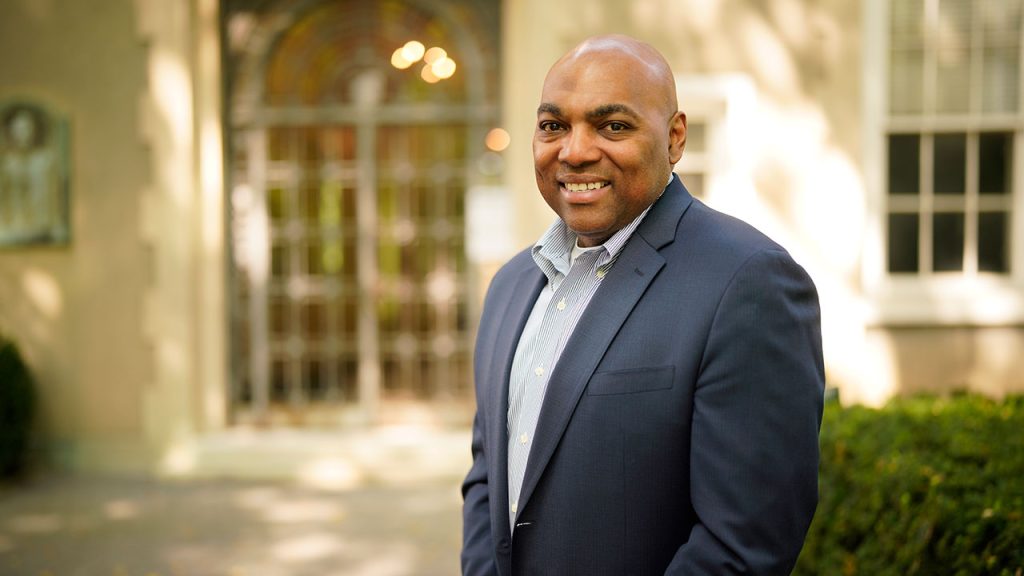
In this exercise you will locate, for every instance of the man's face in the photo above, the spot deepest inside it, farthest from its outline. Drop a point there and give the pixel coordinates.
(604, 144)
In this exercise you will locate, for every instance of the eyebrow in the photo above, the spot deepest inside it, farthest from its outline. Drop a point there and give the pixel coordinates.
(595, 114)
(609, 109)
(549, 109)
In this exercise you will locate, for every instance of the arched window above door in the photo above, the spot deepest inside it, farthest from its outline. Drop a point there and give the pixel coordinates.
(348, 176)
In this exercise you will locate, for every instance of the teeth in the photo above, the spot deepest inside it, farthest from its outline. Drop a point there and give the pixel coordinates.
(586, 186)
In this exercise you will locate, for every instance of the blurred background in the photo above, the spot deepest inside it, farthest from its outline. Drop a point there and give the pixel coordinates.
(244, 244)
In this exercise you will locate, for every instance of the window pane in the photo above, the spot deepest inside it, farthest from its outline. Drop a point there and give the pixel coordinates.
(278, 381)
(311, 201)
(953, 45)
(903, 240)
(904, 161)
(907, 17)
(906, 76)
(347, 317)
(1000, 38)
(954, 80)
(995, 159)
(1001, 71)
(348, 382)
(948, 242)
(1000, 18)
(277, 204)
(695, 134)
(950, 163)
(993, 241)
(279, 261)
(906, 72)
(314, 382)
(279, 316)
(313, 319)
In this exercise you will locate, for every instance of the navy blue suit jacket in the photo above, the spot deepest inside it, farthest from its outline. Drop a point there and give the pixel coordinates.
(679, 431)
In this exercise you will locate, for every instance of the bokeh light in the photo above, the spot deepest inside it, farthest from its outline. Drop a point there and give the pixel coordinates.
(428, 74)
(398, 60)
(412, 51)
(407, 55)
(434, 54)
(497, 139)
(443, 68)
(437, 65)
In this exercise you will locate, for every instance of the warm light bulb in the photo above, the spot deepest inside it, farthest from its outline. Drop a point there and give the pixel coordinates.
(443, 68)
(398, 59)
(497, 139)
(412, 51)
(428, 74)
(434, 54)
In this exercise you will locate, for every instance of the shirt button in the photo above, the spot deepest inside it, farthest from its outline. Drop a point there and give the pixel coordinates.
(515, 506)
(600, 273)
(561, 304)
(539, 370)
(523, 438)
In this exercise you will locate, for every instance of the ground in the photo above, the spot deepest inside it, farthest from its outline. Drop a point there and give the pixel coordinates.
(88, 525)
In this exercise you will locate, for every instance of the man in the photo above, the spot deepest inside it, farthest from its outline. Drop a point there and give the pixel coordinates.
(649, 375)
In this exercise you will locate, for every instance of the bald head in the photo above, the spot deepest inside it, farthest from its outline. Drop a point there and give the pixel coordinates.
(621, 52)
(608, 133)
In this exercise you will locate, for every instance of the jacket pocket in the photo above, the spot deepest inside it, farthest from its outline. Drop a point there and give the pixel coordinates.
(631, 381)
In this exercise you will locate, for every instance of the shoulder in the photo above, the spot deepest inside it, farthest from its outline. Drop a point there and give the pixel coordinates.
(510, 272)
(705, 226)
(516, 265)
(716, 248)
(507, 277)
(680, 226)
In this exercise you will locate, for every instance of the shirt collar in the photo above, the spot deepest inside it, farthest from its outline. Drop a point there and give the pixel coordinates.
(553, 251)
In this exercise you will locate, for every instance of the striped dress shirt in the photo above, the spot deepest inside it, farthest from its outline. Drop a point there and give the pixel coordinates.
(573, 275)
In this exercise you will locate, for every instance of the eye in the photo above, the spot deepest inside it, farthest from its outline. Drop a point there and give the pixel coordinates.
(549, 126)
(617, 127)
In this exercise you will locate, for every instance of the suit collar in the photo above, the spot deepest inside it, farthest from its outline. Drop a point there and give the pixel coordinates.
(553, 253)
(659, 227)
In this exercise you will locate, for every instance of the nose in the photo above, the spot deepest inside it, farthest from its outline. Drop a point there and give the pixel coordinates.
(579, 147)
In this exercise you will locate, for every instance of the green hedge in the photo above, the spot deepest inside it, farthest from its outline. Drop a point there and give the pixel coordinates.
(17, 400)
(923, 486)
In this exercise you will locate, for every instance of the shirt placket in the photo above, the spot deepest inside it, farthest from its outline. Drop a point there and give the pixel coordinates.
(550, 339)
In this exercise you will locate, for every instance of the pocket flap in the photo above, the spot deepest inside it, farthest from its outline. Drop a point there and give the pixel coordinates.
(631, 381)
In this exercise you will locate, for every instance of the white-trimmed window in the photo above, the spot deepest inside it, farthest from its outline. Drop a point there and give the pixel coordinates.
(694, 166)
(715, 166)
(954, 113)
(948, 160)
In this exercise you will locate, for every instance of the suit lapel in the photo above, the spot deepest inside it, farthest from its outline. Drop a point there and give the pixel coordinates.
(619, 292)
(521, 301)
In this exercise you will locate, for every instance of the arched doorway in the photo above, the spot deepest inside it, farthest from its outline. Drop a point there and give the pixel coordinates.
(348, 178)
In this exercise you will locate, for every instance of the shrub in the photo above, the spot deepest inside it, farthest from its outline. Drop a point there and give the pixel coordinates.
(17, 400)
(923, 486)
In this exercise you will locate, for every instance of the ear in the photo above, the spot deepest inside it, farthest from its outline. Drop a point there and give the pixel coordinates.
(676, 137)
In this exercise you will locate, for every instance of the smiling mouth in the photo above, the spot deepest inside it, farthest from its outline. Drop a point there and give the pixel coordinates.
(583, 186)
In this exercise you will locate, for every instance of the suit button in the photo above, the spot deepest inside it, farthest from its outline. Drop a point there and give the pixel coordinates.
(503, 545)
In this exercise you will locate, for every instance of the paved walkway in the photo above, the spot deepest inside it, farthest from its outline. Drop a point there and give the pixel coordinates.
(393, 520)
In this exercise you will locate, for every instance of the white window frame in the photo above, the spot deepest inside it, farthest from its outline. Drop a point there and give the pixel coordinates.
(725, 105)
(939, 299)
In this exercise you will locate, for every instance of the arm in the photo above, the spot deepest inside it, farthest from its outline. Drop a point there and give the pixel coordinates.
(756, 416)
(477, 545)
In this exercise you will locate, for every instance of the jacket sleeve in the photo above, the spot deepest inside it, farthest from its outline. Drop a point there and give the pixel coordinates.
(756, 416)
(477, 544)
